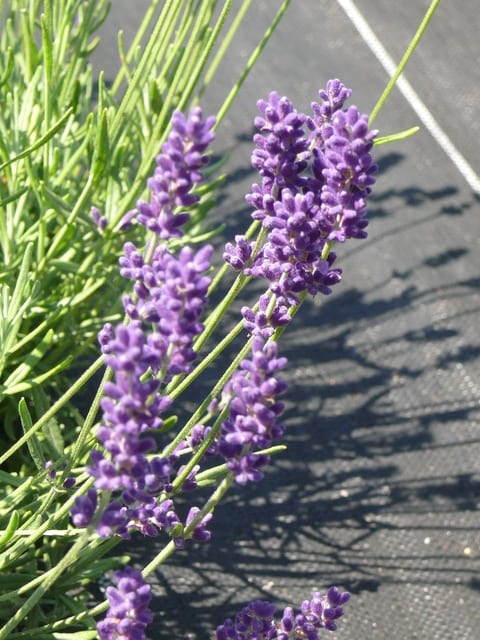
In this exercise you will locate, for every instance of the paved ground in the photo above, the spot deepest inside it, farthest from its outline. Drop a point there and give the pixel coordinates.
(379, 489)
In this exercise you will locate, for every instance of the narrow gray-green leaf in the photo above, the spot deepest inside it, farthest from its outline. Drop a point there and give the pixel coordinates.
(33, 444)
(41, 141)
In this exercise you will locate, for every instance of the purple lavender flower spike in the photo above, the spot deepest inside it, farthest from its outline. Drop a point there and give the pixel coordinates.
(164, 316)
(321, 612)
(281, 150)
(132, 405)
(316, 174)
(178, 169)
(347, 170)
(256, 621)
(291, 258)
(333, 97)
(129, 613)
(253, 622)
(252, 423)
(171, 293)
(164, 310)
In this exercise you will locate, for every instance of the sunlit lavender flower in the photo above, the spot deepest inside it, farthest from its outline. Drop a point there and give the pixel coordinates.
(254, 409)
(345, 166)
(132, 405)
(200, 533)
(291, 258)
(129, 613)
(178, 169)
(281, 151)
(333, 97)
(239, 253)
(171, 293)
(84, 509)
(316, 172)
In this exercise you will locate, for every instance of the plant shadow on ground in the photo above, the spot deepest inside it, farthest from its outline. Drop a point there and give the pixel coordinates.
(381, 415)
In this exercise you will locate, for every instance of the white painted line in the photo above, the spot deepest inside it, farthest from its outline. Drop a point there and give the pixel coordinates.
(409, 93)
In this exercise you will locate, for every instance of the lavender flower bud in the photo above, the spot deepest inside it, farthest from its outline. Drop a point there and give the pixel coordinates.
(68, 483)
(237, 255)
(333, 98)
(51, 471)
(100, 221)
(267, 318)
(200, 532)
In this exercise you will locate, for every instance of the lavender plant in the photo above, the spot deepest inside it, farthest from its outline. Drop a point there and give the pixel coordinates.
(136, 468)
(75, 152)
(316, 173)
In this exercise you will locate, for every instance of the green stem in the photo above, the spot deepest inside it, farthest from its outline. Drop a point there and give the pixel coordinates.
(406, 57)
(156, 43)
(208, 507)
(175, 388)
(139, 35)
(224, 46)
(10, 556)
(185, 89)
(79, 206)
(181, 65)
(46, 23)
(199, 453)
(196, 416)
(204, 54)
(87, 424)
(251, 61)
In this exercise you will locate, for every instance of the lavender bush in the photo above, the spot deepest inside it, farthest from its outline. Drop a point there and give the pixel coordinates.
(133, 467)
(316, 173)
